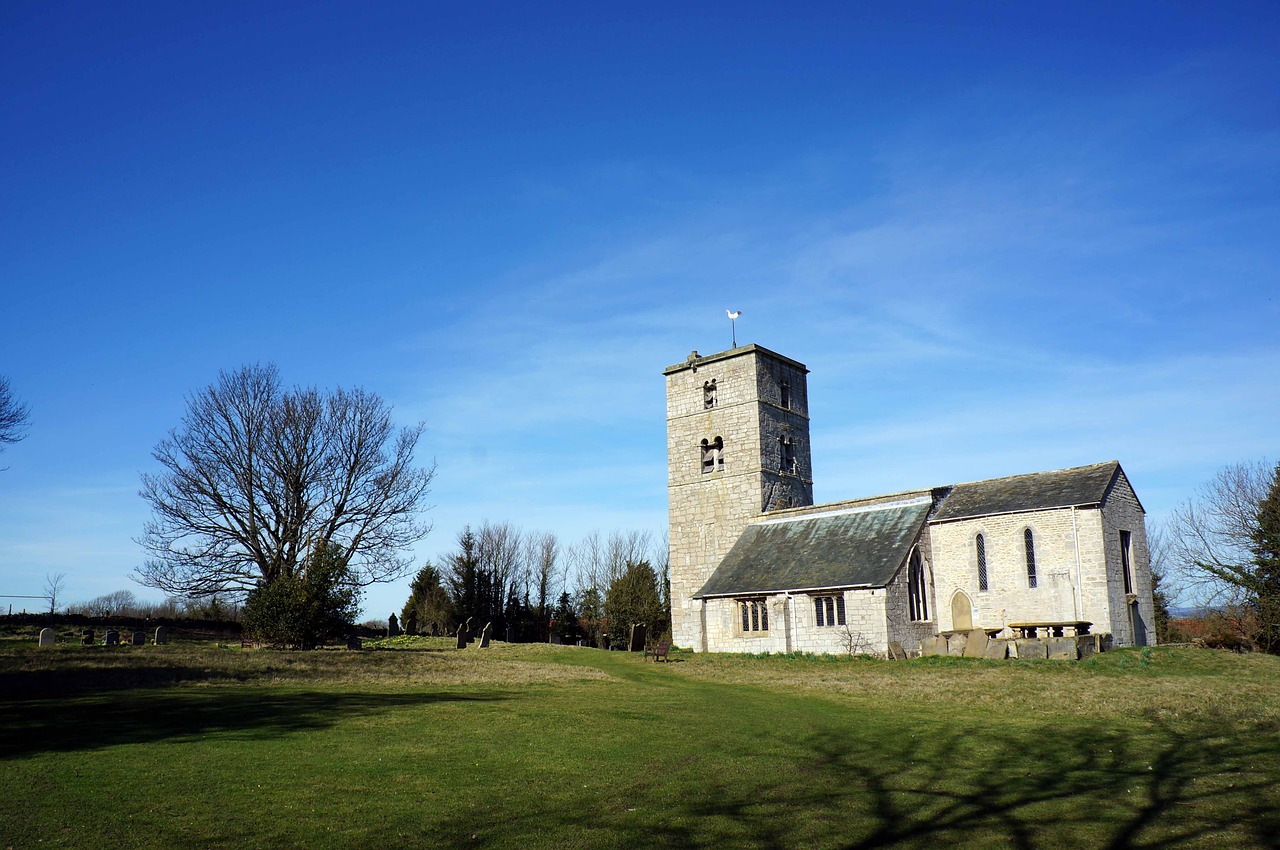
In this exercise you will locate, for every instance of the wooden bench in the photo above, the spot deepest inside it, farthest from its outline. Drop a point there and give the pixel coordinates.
(658, 652)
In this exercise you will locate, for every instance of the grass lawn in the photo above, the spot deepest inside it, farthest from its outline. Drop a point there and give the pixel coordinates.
(193, 745)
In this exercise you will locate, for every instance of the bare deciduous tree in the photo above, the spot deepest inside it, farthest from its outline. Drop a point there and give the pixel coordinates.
(54, 584)
(1209, 535)
(14, 416)
(259, 476)
(544, 576)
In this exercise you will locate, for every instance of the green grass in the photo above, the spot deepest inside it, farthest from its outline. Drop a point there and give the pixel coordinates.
(420, 745)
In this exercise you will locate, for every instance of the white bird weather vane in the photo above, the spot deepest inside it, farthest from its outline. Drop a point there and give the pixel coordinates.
(733, 324)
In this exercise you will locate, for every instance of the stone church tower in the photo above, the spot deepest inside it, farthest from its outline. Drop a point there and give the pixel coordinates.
(737, 446)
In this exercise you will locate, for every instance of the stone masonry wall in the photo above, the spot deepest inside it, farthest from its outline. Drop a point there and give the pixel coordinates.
(793, 625)
(1122, 511)
(1008, 597)
(898, 623)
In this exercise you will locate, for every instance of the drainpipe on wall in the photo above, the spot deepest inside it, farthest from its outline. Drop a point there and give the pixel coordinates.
(791, 619)
(1077, 595)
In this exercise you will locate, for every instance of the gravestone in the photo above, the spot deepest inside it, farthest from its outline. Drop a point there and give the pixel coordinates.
(411, 625)
(511, 633)
(162, 635)
(997, 649)
(484, 635)
(896, 652)
(934, 645)
(462, 637)
(956, 644)
(636, 642)
(354, 642)
(470, 633)
(138, 639)
(86, 637)
(111, 638)
(556, 640)
(393, 626)
(1087, 645)
(1063, 649)
(1032, 648)
(975, 645)
(48, 637)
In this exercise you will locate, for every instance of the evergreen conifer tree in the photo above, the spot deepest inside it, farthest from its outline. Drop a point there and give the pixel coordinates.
(1265, 547)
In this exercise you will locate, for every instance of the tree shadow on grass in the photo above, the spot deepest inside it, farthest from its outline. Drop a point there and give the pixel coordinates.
(1199, 783)
(36, 726)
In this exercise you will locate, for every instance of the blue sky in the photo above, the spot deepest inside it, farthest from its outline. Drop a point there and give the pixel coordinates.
(1004, 237)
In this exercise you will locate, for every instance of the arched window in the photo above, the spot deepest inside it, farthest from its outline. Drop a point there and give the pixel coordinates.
(786, 455)
(712, 455)
(709, 394)
(917, 593)
(982, 562)
(1029, 543)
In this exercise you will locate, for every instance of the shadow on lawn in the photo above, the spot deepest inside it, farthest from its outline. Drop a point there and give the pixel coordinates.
(1208, 783)
(30, 727)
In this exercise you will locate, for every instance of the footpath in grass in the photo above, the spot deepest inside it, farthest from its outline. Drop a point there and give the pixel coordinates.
(536, 746)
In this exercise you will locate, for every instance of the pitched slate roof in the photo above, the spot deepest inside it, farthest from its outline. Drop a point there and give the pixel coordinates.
(1060, 488)
(859, 546)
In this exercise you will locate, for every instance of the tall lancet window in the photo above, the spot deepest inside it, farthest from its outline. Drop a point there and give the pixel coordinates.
(981, 545)
(1029, 543)
(917, 592)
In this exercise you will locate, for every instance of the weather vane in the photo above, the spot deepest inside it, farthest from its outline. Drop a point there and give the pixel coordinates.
(733, 324)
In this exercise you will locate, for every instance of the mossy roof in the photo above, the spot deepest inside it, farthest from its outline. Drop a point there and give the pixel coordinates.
(1060, 488)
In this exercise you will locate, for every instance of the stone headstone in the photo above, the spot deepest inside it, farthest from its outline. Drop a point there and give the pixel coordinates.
(411, 625)
(86, 637)
(636, 641)
(1032, 648)
(138, 639)
(484, 635)
(930, 645)
(111, 638)
(462, 637)
(1063, 649)
(556, 640)
(470, 632)
(48, 637)
(162, 635)
(975, 645)
(511, 633)
(896, 652)
(354, 642)
(956, 644)
(997, 649)
(393, 626)
(1087, 645)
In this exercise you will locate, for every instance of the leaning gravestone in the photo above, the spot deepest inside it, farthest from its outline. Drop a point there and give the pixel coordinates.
(896, 652)
(411, 625)
(956, 644)
(111, 638)
(1063, 649)
(138, 639)
(462, 637)
(470, 634)
(484, 635)
(1032, 648)
(976, 644)
(48, 637)
(636, 643)
(162, 635)
(86, 637)
(997, 649)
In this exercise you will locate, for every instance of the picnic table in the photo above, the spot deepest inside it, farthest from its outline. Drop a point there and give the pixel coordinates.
(1052, 628)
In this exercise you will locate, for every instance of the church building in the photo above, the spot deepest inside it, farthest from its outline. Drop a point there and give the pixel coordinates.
(756, 566)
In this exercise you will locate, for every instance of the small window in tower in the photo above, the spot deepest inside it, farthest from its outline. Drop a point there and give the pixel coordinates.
(784, 395)
(709, 394)
(786, 455)
(712, 455)
(981, 545)
(1029, 543)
